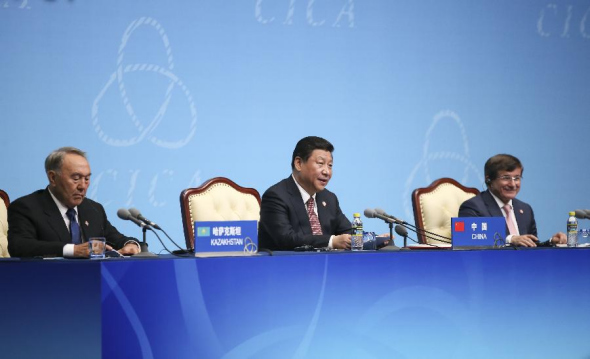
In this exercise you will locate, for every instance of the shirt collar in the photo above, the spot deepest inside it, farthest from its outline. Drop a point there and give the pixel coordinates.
(62, 209)
(499, 201)
(304, 193)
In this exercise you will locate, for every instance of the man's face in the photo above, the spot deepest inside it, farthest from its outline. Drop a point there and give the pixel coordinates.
(69, 184)
(314, 174)
(504, 186)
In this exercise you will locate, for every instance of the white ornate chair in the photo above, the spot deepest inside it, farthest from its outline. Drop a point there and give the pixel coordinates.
(4, 202)
(435, 205)
(218, 199)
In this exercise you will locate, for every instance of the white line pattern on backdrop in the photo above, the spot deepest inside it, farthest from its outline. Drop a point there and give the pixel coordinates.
(24, 5)
(441, 155)
(144, 131)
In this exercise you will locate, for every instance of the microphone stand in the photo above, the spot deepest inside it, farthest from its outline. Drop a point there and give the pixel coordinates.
(391, 246)
(145, 253)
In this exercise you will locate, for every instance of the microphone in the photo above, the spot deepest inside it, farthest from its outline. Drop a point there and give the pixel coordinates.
(125, 215)
(581, 214)
(134, 212)
(401, 230)
(587, 211)
(394, 218)
(135, 215)
(379, 213)
(371, 213)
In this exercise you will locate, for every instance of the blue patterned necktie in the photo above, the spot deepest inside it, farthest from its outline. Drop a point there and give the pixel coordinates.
(74, 227)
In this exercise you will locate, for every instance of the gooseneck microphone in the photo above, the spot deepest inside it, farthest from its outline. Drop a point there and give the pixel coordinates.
(137, 214)
(134, 212)
(371, 213)
(582, 213)
(380, 213)
(125, 215)
(393, 218)
(401, 230)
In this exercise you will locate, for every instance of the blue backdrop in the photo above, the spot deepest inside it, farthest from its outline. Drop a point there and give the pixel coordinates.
(164, 95)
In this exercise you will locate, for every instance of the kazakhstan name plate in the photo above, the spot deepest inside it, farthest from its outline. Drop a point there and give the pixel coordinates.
(219, 238)
(478, 232)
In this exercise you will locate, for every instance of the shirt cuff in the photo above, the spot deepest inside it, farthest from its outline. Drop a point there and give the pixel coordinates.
(68, 251)
(330, 242)
(134, 242)
(509, 238)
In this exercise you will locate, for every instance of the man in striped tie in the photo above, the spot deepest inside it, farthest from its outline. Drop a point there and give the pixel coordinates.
(299, 211)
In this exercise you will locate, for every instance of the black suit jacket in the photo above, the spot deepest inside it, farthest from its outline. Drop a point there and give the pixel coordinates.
(484, 205)
(36, 227)
(284, 223)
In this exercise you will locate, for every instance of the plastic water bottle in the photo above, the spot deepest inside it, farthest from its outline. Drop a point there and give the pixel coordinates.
(357, 233)
(572, 230)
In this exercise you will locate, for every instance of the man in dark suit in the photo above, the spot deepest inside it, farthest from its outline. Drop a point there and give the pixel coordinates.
(58, 220)
(503, 176)
(299, 210)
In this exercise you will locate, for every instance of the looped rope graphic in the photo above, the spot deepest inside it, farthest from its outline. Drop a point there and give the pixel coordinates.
(440, 155)
(250, 246)
(118, 75)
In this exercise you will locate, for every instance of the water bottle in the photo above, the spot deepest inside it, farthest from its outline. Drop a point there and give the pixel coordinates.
(357, 233)
(572, 230)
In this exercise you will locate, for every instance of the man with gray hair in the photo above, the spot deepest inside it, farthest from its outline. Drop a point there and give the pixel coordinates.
(58, 220)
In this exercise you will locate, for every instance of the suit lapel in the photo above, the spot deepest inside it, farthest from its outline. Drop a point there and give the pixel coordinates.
(491, 205)
(54, 218)
(323, 212)
(495, 211)
(519, 214)
(299, 206)
(88, 222)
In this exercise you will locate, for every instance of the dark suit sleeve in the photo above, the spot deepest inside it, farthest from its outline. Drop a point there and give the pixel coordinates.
(533, 226)
(275, 218)
(23, 236)
(341, 224)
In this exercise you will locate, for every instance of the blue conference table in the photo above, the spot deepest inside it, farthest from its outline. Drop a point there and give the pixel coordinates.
(408, 304)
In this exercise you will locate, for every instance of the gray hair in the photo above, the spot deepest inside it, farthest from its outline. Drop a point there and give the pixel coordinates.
(54, 161)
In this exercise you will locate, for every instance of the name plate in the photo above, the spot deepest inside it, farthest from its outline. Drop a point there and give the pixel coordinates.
(226, 238)
(478, 232)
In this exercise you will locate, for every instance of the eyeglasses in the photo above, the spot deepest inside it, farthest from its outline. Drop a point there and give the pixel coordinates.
(510, 178)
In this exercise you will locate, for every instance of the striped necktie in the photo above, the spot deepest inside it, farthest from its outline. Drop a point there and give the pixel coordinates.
(316, 227)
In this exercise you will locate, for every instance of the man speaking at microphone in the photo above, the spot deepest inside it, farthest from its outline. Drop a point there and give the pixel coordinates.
(58, 220)
(299, 211)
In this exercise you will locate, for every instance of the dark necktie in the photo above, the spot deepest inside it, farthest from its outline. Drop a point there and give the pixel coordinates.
(316, 227)
(74, 227)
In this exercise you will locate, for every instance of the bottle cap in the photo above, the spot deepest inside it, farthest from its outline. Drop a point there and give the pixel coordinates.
(356, 214)
(572, 213)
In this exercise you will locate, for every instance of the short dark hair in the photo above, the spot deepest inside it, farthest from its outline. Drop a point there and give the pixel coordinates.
(306, 145)
(501, 162)
(55, 159)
